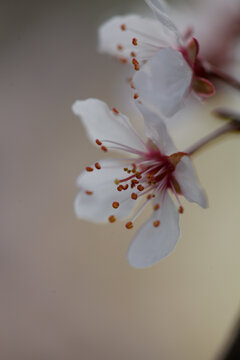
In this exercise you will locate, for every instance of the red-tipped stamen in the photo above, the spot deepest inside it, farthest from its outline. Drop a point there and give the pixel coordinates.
(111, 219)
(115, 204)
(134, 41)
(156, 223)
(89, 168)
(97, 166)
(129, 225)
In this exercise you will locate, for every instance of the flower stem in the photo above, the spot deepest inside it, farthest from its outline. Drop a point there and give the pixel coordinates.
(231, 126)
(221, 75)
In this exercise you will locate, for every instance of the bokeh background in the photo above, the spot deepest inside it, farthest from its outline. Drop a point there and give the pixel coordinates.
(66, 289)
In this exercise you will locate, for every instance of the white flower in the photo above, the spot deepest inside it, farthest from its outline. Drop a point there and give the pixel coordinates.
(109, 189)
(167, 62)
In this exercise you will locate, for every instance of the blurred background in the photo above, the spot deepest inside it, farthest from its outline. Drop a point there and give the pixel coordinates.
(67, 291)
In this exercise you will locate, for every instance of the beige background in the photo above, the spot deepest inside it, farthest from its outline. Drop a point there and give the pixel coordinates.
(66, 289)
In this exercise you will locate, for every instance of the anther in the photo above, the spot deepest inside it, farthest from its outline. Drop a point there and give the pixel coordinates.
(97, 166)
(115, 111)
(104, 148)
(180, 210)
(88, 192)
(123, 60)
(136, 96)
(115, 204)
(125, 169)
(98, 142)
(123, 27)
(133, 54)
(149, 196)
(116, 181)
(156, 207)
(134, 196)
(134, 41)
(156, 223)
(125, 187)
(140, 187)
(111, 219)
(89, 168)
(120, 188)
(136, 64)
(120, 47)
(129, 225)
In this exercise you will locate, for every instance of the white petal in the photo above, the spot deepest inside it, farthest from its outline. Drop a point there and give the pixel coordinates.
(159, 9)
(151, 244)
(98, 206)
(145, 30)
(102, 123)
(156, 130)
(187, 179)
(164, 81)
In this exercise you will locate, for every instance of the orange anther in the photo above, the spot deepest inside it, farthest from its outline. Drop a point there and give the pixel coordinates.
(88, 192)
(115, 204)
(134, 41)
(98, 142)
(180, 210)
(149, 196)
(115, 111)
(133, 54)
(156, 223)
(140, 187)
(123, 27)
(123, 60)
(120, 188)
(135, 96)
(134, 196)
(156, 207)
(104, 148)
(111, 219)
(120, 47)
(89, 168)
(129, 225)
(97, 166)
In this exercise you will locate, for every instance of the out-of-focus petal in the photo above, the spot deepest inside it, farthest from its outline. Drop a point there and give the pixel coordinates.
(187, 179)
(104, 124)
(164, 81)
(159, 9)
(151, 244)
(98, 192)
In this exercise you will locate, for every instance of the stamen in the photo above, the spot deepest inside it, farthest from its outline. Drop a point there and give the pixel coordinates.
(98, 142)
(115, 111)
(123, 60)
(180, 210)
(140, 187)
(123, 27)
(119, 47)
(89, 168)
(135, 96)
(88, 192)
(111, 219)
(156, 223)
(133, 54)
(129, 225)
(134, 41)
(97, 166)
(134, 196)
(136, 64)
(103, 148)
(156, 207)
(120, 188)
(115, 204)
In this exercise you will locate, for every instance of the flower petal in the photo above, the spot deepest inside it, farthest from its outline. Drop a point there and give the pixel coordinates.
(159, 9)
(187, 179)
(151, 244)
(164, 81)
(116, 42)
(156, 130)
(98, 191)
(102, 123)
